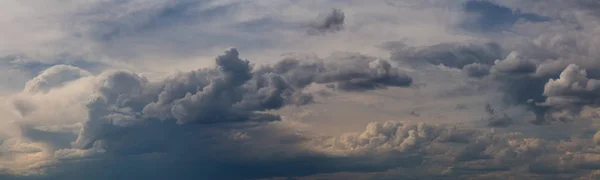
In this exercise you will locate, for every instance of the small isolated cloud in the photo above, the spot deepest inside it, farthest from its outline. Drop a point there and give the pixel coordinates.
(330, 22)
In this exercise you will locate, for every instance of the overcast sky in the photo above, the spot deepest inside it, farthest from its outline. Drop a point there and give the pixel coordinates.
(301, 89)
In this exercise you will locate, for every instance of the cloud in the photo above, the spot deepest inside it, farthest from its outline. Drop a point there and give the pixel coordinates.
(514, 64)
(571, 92)
(518, 68)
(231, 92)
(89, 89)
(455, 55)
(495, 118)
(54, 76)
(129, 115)
(476, 70)
(487, 16)
(460, 152)
(330, 22)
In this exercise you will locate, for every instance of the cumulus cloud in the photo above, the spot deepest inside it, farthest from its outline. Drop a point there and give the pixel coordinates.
(514, 64)
(519, 68)
(569, 93)
(91, 110)
(462, 152)
(231, 92)
(121, 109)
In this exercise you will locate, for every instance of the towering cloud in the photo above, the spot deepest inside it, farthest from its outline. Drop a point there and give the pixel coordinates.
(231, 92)
(569, 93)
(107, 116)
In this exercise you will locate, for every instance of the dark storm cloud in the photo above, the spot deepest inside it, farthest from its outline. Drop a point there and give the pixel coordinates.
(233, 91)
(130, 115)
(183, 166)
(167, 150)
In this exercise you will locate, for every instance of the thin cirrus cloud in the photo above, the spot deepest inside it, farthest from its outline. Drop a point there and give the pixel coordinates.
(394, 89)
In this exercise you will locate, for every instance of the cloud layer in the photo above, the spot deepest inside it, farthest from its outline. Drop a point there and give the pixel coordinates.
(392, 89)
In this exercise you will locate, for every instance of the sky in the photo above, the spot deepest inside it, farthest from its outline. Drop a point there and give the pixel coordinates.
(290, 89)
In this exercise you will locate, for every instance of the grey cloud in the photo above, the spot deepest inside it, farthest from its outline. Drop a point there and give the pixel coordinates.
(521, 76)
(495, 118)
(128, 107)
(454, 55)
(181, 127)
(571, 91)
(346, 71)
(554, 37)
(207, 150)
(487, 16)
(514, 64)
(476, 70)
(332, 21)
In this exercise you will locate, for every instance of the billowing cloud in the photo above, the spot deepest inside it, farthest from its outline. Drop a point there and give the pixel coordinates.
(461, 152)
(571, 92)
(450, 92)
(125, 107)
(231, 92)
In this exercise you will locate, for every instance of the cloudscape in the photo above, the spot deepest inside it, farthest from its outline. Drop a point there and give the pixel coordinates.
(290, 89)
